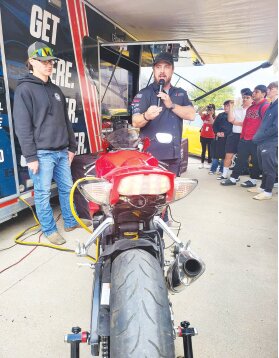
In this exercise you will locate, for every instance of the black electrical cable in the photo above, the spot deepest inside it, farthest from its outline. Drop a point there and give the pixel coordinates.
(25, 231)
(35, 233)
(24, 257)
(34, 243)
(175, 221)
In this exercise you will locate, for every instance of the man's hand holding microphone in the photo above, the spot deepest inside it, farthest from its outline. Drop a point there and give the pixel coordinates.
(154, 111)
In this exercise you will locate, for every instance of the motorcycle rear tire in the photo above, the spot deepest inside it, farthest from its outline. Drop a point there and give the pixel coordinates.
(140, 319)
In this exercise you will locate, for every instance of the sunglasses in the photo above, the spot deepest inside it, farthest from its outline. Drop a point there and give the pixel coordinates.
(42, 52)
(51, 62)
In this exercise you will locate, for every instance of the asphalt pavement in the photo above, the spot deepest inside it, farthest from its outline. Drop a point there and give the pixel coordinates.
(233, 305)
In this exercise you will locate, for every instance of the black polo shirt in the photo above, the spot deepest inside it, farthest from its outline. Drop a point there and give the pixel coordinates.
(166, 122)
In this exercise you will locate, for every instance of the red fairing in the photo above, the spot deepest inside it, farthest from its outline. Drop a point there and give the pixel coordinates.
(146, 143)
(114, 166)
(122, 158)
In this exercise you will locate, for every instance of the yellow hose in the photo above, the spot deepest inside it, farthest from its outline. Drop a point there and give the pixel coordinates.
(74, 211)
(34, 243)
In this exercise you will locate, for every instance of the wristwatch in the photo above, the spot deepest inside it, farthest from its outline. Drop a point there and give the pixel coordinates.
(172, 106)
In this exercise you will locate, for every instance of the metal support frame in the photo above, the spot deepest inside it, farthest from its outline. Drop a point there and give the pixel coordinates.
(75, 338)
(82, 249)
(187, 333)
(112, 74)
(159, 223)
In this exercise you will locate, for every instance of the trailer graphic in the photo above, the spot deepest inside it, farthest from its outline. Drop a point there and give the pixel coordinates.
(73, 29)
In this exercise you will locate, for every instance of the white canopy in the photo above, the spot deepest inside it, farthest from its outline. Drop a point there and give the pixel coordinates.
(221, 31)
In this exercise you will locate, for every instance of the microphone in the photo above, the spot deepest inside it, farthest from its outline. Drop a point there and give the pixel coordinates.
(161, 86)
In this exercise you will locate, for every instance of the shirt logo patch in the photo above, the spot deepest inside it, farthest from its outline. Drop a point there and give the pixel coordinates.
(57, 96)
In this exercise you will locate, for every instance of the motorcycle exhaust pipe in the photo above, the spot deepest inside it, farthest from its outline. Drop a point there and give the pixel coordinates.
(184, 270)
(192, 267)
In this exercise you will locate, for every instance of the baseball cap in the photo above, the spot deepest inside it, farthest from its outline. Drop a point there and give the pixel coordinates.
(261, 88)
(246, 92)
(41, 51)
(164, 56)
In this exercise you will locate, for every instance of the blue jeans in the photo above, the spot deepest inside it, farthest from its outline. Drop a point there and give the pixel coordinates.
(215, 163)
(52, 165)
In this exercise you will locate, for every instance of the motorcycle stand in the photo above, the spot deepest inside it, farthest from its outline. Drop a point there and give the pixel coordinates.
(75, 338)
(186, 333)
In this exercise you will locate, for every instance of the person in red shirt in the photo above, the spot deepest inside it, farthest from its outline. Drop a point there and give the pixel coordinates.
(246, 147)
(207, 134)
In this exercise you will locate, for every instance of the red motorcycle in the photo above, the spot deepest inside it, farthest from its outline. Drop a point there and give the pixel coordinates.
(131, 312)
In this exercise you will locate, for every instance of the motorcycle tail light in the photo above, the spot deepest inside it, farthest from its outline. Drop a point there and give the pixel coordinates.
(97, 191)
(183, 187)
(141, 184)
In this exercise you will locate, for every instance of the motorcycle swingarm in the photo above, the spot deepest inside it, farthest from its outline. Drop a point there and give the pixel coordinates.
(103, 314)
(96, 295)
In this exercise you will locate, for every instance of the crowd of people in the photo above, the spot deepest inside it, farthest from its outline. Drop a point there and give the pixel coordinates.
(249, 134)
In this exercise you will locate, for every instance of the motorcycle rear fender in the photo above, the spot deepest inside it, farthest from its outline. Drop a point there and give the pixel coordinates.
(125, 244)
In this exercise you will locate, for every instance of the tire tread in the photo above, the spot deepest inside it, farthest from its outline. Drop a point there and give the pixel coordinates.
(140, 323)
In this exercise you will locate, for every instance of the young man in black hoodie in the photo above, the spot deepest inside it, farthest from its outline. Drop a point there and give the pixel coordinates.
(46, 138)
(266, 139)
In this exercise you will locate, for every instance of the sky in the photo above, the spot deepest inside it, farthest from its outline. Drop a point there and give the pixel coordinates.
(227, 72)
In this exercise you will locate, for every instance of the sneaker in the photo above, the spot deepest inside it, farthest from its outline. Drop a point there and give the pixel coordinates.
(262, 196)
(255, 190)
(248, 184)
(210, 172)
(56, 239)
(219, 173)
(227, 182)
(201, 166)
(237, 180)
(221, 177)
(78, 226)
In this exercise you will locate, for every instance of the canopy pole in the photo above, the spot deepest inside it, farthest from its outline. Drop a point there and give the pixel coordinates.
(112, 74)
(263, 65)
(191, 83)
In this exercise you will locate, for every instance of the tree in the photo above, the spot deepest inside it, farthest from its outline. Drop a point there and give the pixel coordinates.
(217, 98)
